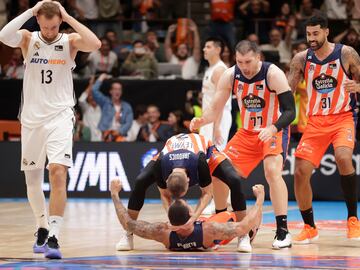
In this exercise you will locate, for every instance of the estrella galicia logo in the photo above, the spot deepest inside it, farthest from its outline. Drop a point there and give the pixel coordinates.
(259, 87)
(324, 83)
(253, 103)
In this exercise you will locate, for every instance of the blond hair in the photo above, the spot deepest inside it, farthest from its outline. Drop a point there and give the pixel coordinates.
(49, 10)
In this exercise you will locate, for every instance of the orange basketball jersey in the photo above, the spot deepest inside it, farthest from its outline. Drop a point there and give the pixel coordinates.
(325, 84)
(259, 105)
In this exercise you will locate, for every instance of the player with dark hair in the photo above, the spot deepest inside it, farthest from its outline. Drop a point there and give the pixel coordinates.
(200, 234)
(332, 75)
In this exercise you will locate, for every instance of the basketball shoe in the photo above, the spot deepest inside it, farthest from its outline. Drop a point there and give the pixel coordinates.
(353, 226)
(53, 249)
(244, 244)
(40, 243)
(307, 235)
(126, 242)
(282, 239)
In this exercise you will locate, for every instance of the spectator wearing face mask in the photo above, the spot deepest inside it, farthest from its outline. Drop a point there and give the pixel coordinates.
(140, 62)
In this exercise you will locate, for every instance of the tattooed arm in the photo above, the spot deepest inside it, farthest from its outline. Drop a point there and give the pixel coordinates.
(223, 231)
(351, 62)
(296, 70)
(158, 231)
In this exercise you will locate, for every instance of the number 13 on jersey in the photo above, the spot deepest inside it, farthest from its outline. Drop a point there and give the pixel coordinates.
(46, 76)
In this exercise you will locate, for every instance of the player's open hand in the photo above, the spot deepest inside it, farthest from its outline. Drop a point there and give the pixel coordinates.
(115, 186)
(38, 5)
(64, 14)
(196, 123)
(351, 86)
(259, 192)
(266, 133)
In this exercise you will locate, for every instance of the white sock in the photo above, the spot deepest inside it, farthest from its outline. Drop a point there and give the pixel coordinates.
(55, 223)
(35, 194)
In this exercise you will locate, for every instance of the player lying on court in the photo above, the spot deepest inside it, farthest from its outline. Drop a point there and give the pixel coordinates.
(199, 235)
(187, 160)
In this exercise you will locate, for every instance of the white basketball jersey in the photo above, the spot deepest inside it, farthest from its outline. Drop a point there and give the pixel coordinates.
(208, 90)
(208, 87)
(48, 83)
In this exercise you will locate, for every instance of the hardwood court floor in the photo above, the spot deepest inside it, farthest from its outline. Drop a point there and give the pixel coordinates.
(91, 230)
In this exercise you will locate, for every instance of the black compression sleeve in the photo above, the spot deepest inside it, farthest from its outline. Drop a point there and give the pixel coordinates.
(227, 174)
(287, 108)
(145, 179)
(203, 171)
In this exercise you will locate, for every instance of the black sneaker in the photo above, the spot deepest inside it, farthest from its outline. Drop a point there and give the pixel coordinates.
(41, 237)
(53, 251)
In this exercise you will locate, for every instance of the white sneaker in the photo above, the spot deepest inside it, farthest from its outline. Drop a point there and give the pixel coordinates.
(244, 244)
(126, 242)
(282, 240)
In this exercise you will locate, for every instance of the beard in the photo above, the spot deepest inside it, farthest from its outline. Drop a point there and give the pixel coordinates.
(182, 57)
(316, 45)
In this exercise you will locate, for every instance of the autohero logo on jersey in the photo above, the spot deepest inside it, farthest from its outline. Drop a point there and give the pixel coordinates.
(324, 83)
(47, 61)
(253, 103)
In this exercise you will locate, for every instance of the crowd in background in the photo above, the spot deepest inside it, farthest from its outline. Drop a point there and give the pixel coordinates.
(157, 39)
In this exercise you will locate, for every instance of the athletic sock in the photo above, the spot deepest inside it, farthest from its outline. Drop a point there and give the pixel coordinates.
(55, 223)
(349, 188)
(221, 210)
(308, 217)
(281, 222)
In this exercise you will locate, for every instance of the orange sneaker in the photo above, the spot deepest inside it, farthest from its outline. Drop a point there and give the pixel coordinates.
(353, 225)
(307, 235)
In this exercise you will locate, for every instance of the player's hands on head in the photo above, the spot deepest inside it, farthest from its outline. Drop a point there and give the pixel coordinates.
(38, 5)
(115, 186)
(64, 14)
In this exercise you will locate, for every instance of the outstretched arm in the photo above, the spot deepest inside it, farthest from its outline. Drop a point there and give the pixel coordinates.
(222, 231)
(158, 231)
(222, 94)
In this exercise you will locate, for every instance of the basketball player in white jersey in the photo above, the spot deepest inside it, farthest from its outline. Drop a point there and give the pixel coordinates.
(218, 131)
(46, 115)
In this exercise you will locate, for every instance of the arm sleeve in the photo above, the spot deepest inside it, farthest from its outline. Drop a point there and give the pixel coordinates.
(203, 171)
(10, 35)
(287, 108)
